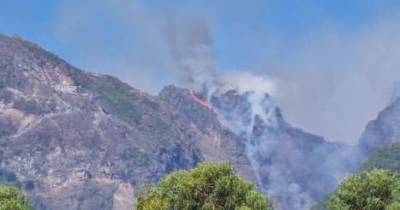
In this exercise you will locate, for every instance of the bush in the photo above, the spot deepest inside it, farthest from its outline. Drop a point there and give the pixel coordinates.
(12, 199)
(208, 187)
(375, 190)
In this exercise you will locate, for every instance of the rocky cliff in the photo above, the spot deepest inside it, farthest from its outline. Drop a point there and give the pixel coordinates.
(247, 129)
(76, 140)
(384, 130)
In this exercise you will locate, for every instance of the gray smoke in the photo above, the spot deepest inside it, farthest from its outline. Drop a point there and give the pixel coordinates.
(145, 48)
(330, 83)
(190, 43)
(334, 84)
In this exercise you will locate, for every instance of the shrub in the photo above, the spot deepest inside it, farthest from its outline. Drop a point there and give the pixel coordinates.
(12, 199)
(207, 187)
(375, 190)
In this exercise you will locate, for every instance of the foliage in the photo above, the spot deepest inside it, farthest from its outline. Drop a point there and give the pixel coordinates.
(387, 158)
(375, 190)
(117, 97)
(207, 187)
(9, 178)
(12, 199)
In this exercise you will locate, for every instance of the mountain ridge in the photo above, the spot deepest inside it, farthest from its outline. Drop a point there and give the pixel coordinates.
(76, 140)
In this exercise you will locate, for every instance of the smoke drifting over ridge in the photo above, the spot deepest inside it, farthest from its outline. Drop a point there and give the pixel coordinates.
(336, 84)
(158, 48)
(190, 44)
(331, 87)
(330, 84)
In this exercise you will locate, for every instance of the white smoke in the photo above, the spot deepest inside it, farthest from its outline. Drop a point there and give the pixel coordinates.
(190, 43)
(246, 81)
(336, 82)
(337, 87)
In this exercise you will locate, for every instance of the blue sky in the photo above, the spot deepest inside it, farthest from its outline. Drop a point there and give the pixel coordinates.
(334, 62)
(239, 28)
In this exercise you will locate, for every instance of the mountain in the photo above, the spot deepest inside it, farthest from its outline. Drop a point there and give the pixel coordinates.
(379, 145)
(387, 157)
(383, 130)
(294, 167)
(76, 140)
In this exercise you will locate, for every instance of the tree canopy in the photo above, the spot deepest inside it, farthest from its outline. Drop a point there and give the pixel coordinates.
(12, 199)
(374, 190)
(207, 187)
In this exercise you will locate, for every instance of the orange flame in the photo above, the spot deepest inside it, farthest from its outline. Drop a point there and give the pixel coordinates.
(198, 100)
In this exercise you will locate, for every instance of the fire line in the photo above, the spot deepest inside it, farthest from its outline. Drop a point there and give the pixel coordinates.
(198, 100)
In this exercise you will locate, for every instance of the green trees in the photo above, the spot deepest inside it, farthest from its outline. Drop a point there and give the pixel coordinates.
(207, 187)
(12, 199)
(375, 190)
(387, 158)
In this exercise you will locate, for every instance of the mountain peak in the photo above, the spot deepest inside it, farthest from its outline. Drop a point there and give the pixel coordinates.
(82, 132)
(24, 52)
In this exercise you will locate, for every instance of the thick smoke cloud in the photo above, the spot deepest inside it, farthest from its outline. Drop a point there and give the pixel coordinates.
(330, 83)
(145, 48)
(336, 84)
(190, 43)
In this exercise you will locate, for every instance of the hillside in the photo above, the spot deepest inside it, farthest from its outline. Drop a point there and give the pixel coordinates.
(383, 130)
(82, 141)
(387, 158)
(76, 140)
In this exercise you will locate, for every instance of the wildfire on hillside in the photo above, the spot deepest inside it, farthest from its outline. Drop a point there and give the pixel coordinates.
(199, 100)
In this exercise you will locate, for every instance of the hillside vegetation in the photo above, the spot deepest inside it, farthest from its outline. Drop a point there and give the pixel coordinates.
(379, 165)
(387, 158)
(208, 187)
(375, 190)
(12, 199)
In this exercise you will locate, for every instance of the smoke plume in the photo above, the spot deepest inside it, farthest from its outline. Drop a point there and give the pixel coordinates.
(330, 84)
(333, 85)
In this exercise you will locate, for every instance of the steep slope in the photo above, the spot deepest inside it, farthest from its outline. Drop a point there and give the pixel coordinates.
(385, 129)
(388, 158)
(295, 168)
(74, 140)
(219, 143)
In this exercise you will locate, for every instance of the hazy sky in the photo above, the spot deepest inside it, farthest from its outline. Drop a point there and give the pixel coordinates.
(333, 63)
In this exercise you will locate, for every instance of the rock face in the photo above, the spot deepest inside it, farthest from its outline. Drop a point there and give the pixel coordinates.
(75, 140)
(384, 130)
(295, 168)
(292, 166)
(219, 144)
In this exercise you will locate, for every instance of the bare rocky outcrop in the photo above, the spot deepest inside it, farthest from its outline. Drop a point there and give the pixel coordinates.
(75, 140)
(247, 129)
